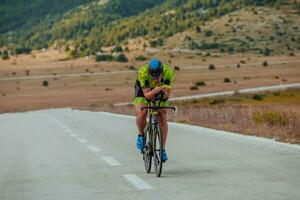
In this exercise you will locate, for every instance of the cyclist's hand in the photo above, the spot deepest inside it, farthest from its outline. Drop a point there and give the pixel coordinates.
(157, 89)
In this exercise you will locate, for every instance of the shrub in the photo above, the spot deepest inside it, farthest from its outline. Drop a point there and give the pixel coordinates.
(156, 43)
(140, 58)
(230, 49)
(104, 57)
(200, 83)
(242, 61)
(176, 68)
(211, 67)
(208, 33)
(257, 97)
(27, 72)
(22, 50)
(45, 83)
(271, 118)
(121, 58)
(266, 51)
(291, 54)
(227, 80)
(132, 68)
(5, 55)
(238, 65)
(265, 63)
(117, 49)
(216, 101)
(194, 87)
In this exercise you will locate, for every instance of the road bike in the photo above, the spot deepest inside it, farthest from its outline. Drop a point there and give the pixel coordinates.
(153, 145)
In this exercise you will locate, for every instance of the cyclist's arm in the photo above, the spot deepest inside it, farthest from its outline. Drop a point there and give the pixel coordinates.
(150, 94)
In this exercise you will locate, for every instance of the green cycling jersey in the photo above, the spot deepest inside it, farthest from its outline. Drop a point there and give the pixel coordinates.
(145, 81)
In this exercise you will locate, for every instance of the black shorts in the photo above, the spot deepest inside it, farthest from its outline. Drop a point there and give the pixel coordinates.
(138, 89)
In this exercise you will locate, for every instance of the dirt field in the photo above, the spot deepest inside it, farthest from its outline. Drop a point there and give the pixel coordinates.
(105, 83)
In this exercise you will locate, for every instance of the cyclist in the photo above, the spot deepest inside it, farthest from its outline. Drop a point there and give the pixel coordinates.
(153, 78)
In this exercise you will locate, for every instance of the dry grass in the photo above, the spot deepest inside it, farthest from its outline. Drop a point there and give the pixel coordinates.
(279, 120)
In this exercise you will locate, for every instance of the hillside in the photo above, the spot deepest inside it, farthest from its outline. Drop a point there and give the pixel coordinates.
(225, 26)
(18, 14)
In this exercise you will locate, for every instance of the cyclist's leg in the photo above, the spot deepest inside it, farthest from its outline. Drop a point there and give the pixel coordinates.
(162, 120)
(141, 116)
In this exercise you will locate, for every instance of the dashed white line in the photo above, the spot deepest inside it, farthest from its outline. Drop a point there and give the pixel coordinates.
(112, 162)
(81, 140)
(68, 130)
(137, 182)
(94, 148)
(74, 135)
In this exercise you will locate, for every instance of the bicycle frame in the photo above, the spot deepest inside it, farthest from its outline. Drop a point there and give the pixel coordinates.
(154, 131)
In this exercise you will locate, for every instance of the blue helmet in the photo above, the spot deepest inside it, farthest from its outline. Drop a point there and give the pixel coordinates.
(155, 68)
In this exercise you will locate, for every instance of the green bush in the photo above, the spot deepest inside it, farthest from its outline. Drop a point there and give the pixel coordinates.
(45, 83)
(194, 87)
(5, 55)
(121, 58)
(211, 67)
(266, 51)
(156, 42)
(176, 68)
(265, 63)
(104, 57)
(227, 80)
(117, 49)
(200, 83)
(257, 97)
(216, 101)
(209, 33)
(271, 118)
(22, 50)
(132, 68)
(140, 58)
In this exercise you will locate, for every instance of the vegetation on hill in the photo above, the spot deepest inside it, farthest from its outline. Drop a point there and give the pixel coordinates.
(85, 29)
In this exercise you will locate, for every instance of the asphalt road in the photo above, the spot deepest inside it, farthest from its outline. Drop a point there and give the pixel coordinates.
(67, 154)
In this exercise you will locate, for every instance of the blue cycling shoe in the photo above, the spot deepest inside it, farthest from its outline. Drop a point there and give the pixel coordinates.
(140, 142)
(164, 156)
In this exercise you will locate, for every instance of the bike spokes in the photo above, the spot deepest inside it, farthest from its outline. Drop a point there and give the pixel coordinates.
(157, 149)
(147, 151)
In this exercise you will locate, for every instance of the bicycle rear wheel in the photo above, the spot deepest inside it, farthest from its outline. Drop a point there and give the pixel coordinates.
(157, 149)
(147, 151)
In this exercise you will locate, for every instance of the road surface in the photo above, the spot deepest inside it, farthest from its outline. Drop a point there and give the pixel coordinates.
(79, 155)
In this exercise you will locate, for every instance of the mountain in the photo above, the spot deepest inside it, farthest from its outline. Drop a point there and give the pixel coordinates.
(86, 26)
(17, 14)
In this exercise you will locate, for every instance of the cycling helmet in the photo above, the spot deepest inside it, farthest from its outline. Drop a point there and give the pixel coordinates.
(155, 68)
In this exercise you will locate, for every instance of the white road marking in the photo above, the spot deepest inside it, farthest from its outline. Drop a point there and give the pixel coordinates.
(74, 135)
(94, 148)
(81, 140)
(112, 162)
(138, 182)
(68, 130)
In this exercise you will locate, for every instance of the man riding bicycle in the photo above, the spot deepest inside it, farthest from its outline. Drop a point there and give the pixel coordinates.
(152, 79)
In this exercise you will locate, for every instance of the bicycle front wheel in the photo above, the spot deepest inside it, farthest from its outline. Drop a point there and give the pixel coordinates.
(157, 149)
(147, 151)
